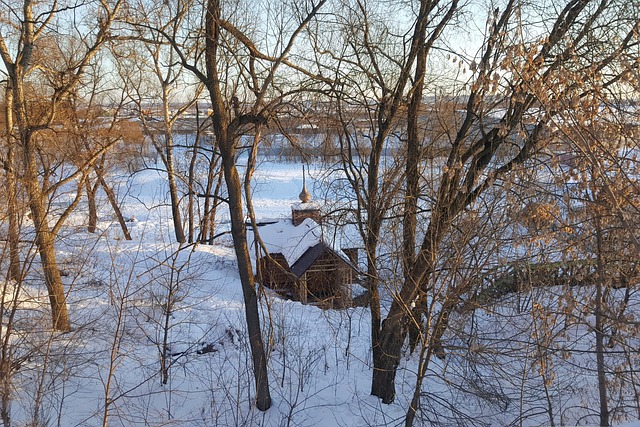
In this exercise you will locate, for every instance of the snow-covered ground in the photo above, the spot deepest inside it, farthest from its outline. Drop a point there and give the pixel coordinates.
(126, 298)
(118, 293)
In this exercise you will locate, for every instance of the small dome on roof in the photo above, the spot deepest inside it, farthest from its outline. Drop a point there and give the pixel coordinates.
(304, 195)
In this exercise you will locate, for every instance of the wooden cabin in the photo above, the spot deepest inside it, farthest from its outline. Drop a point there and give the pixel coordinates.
(296, 262)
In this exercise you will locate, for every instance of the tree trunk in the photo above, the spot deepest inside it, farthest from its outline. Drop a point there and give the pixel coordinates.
(113, 201)
(387, 358)
(210, 202)
(44, 237)
(15, 269)
(6, 377)
(411, 194)
(410, 213)
(5, 404)
(45, 242)
(225, 137)
(599, 325)
(17, 71)
(374, 299)
(173, 187)
(191, 180)
(239, 234)
(423, 364)
(214, 209)
(394, 327)
(176, 216)
(53, 280)
(375, 213)
(374, 304)
(93, 211)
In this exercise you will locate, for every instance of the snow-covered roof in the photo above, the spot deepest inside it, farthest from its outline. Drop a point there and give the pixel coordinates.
(285, 238)
(308, 206)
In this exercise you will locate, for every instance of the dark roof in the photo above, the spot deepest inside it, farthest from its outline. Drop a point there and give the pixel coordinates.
(312, 254)
(308, 258)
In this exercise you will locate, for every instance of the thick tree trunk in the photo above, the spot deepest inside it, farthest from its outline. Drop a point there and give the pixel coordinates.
(53, 281)
(225, 134)
(374, 304)
(16, 72)
(410, 215)
(394, 327)
(411, 194)
(375, 211)
(387, 358)
(45, 242)
(372, 284)
(45, 239)
(385, 362)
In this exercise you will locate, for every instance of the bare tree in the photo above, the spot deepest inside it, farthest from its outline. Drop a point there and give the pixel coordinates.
(22, 53)
(378, 74)
(90, 129)
(374, 90)
(483, 151)
(168, 87)
(243, 85)
(491, 124)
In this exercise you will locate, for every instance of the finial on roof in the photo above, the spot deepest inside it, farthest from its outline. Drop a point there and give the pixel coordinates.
(304, 194)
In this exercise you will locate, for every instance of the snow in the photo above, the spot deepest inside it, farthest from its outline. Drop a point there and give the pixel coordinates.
(308, 206)
(126, 296)
(285, 238)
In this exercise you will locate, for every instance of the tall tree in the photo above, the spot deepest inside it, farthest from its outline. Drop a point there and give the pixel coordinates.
(160, 78)
(378, 73)
(36, 109)
(513, 95)
(245, 93)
